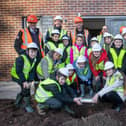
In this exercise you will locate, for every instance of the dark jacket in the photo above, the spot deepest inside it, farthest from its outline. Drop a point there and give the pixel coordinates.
(67, 94)
(19, 70)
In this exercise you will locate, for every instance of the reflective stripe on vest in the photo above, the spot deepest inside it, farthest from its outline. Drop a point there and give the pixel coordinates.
(62, 33)
(26, 70)
(118, 60)
(50, 66)
(111, 81)
(73, 78)
(85, 71)
(41, 94)
(86, 33)
(77, 53)
(100, 66)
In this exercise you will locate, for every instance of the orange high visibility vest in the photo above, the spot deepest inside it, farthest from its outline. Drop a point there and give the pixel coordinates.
(86, 33)
(26, 37)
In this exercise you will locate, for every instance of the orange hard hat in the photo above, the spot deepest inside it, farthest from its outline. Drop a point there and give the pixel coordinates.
(32, 18)
(78, 20)
(121, 29)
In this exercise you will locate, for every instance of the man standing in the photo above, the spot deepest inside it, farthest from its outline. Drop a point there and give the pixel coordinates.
(79, 29)
(29, 35)
(58, 21)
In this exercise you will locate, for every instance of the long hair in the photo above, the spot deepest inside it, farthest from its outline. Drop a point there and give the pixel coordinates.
(94, 59)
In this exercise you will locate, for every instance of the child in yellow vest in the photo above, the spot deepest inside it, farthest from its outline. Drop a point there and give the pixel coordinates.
(23, 72)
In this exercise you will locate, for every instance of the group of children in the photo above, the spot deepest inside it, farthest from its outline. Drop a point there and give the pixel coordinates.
(68, 72)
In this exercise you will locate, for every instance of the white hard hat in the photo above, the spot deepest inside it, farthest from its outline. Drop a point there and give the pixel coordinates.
(118, 36)
(124, 31)
(81, 59)
(70, 67)
(94, 39)
(106, 34)
(65, 38)
(96, 47)
(80, 35)
(59, 51)
(55, 31)
(32, 45)
(108, 65)
(64, 71)
(58, 18)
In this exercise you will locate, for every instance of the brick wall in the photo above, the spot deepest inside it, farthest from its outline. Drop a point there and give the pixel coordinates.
(11, 12)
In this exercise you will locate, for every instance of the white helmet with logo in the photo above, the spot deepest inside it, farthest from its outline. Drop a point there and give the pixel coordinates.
(32, 45)
(64, 71)
(96, 47)
(108, 65)
(55, 31)
(81, 59)
(59, 51)
(70, 67)
(118, 36)
(106, 34)
(58, 18)
(94, 39)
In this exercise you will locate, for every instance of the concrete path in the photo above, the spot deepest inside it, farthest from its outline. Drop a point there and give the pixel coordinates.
(8, 90)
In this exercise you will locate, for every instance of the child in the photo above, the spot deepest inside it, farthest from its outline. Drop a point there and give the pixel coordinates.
(78, 49)
(117, 54)
(107, 41)
(113, 90)
(53, 42)
(92, 42)
(72, 80)
(23, 73)
(84, 75)
(49, 64)
(55, 94)
(97, 59)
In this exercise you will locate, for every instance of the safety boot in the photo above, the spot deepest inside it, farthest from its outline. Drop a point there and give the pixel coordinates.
(18, 101)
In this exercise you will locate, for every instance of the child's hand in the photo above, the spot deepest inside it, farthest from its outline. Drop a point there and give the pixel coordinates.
(95, 98)
(25, 85)
(97, 78)
(77, 101)
(104, 77)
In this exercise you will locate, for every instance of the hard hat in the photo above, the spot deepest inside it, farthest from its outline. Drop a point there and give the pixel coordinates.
(70, 67)
(94, 39)
(58, 18)
(108, 65)
(65, 37)
(106, 34)
(96, 47)
(124, 31)
(55, 31)
(118, 36)
(80, 35)
(121, 29)
(32, 45)
(64, 71)
(81, 59)
(32, 18)
(78, 20)
(59, 51)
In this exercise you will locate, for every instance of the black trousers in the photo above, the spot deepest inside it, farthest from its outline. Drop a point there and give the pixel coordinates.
(112, 97)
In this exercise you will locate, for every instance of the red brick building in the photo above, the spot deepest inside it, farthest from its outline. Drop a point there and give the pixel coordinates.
(13, 12)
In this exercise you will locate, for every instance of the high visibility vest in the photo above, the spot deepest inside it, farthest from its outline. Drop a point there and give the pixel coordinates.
(51, 66)
(100, 66)
(27, 39)
(68, 55)
(62, 33)
(85, 71)
(26, 69)
(51, 46)
(86, 33)
(118, 60)
(73, 78)
(77, 53)
(111, 81)
(41, 94)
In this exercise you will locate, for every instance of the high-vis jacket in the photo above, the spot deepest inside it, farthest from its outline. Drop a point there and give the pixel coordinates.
(26, 70)
(41, 94)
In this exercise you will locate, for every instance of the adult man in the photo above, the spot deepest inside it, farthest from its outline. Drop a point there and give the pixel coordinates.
(79, 29)
(29, 35)
(58, 21)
